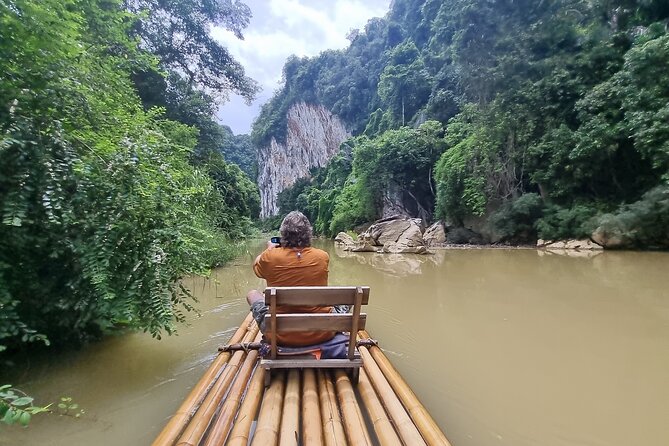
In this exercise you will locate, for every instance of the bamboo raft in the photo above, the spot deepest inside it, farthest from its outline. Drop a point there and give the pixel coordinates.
(307, 407)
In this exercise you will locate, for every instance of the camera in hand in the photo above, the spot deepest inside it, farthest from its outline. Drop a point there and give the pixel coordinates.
(275, 240)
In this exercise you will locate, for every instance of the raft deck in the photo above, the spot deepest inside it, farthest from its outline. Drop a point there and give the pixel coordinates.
(230, 405)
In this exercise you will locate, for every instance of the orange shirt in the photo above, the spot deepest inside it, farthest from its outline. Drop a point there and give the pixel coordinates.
(284, 267)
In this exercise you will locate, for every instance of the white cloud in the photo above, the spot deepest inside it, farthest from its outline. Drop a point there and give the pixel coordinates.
(280, 28)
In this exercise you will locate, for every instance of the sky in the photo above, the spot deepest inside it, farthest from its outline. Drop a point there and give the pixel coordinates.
(280, 28)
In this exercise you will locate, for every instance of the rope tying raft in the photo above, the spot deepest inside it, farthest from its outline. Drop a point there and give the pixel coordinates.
(248, 346)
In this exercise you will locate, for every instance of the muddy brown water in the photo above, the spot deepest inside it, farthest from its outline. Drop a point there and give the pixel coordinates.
(503, 347)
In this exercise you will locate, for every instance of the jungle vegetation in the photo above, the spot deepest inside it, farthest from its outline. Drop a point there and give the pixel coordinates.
(113, 182)
(538, 118)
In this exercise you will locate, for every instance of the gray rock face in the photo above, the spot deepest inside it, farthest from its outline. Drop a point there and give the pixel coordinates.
(313, 137)
(389, 231)
(395, 236)
(435, 234)
(399, 236)
(343, 239)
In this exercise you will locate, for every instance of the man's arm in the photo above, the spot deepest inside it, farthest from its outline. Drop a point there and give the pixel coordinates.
(256, 262)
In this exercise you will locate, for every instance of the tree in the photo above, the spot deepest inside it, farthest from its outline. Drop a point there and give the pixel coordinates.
(178, 33)
(404, 85)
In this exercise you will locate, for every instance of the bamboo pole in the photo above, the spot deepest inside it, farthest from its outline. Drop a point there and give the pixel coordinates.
(247, 413)
(405, 427)
(221, 427)
(312, 428)
(267, 430)
(423, 420)
(355, 425)
(333, 429)
(290, 417)
(382, 426)
(190, 405)
(196, 429)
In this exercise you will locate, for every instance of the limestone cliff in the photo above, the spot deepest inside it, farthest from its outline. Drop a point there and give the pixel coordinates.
(313, 137)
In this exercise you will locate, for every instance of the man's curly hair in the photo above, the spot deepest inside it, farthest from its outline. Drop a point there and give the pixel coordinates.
(296, 230)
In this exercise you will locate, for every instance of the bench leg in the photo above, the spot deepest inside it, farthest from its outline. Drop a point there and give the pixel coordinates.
(355, 375)
(268, 377)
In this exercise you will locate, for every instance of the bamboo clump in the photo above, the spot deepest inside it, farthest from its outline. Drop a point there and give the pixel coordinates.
(309, 406)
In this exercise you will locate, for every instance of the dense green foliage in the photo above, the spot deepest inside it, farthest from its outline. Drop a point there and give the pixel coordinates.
(103, 207)
(178, 33)
(555, 115)
(238, 149)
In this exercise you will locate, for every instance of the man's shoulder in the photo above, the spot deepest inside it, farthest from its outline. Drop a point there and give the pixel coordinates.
(275, 253)
(316, 252)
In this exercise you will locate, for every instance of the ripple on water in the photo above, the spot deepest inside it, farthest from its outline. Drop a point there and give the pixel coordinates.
(225, 334)
(224, 306)
(197, 364)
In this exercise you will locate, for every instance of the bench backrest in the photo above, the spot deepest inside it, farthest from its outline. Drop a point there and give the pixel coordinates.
(316, 297)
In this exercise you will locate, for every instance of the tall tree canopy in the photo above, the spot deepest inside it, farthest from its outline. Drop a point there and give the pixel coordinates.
(178, 33)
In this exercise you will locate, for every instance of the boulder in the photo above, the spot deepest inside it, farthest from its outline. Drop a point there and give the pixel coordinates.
(344, 240)
(582, 245)
(388, 231)
(409, 242)
(610, 239)
(541, 242)
(435, 234)
(400, 235)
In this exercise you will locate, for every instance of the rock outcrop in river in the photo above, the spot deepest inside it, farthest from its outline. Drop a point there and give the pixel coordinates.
(392, 235)
(313, 137)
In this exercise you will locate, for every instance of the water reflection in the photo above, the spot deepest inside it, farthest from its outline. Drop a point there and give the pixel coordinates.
(397, 265)
(587, 254)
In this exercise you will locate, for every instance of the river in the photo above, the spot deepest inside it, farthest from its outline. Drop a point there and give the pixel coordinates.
(504, 347)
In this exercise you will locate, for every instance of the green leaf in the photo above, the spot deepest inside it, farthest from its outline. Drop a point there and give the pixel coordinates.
(23, 401)
(24, 419)
(9, 416)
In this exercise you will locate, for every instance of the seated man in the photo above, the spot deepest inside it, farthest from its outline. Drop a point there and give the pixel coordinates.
(293, 263)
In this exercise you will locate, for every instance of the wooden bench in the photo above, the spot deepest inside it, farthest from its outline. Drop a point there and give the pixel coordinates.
(294, 322)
